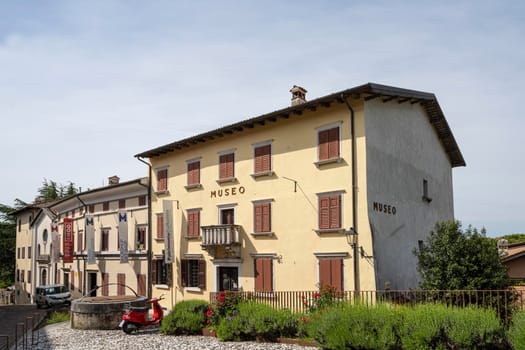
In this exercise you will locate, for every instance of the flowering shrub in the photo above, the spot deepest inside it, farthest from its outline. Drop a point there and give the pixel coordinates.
(225, 305)
(322, 300)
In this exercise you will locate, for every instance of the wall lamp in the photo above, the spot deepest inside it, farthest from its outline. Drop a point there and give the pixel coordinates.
(351, 236)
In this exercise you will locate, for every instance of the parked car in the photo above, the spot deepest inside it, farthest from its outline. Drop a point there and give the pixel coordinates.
(52, 295)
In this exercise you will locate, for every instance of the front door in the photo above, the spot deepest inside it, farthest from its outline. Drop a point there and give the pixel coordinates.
(228, 278)
(92, 284)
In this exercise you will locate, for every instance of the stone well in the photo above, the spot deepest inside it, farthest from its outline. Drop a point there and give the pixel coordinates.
(102, 312)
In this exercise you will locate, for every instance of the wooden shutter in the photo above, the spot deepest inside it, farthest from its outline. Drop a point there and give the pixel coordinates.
(331, 273)
(142, 200)
(257, 217)
(193, 223)
(121, 203)
(263, 275)
(202, 274)
(91, 208)
(266, 217)
(121, 280)
(335, 211)
(323, 144)
(194, 173)
(226, 166)
(162, 180)
(184, 272)
(105, 206)
(154, 276)
(141, 284)
(160, 225)
(262, 158)
(324, 212)
(333, 143)
(325, 274)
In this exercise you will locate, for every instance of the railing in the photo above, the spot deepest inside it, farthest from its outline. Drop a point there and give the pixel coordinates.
(220, 235)
(503, 301)
(26, 334)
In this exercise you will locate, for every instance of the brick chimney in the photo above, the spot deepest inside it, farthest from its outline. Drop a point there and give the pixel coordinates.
(113, 180)
(298, 95)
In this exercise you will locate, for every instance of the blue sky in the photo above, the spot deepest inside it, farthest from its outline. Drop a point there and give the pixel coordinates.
(85, 85)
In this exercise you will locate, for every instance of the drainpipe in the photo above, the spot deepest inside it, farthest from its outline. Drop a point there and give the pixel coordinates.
(150, 241)
(354, 196)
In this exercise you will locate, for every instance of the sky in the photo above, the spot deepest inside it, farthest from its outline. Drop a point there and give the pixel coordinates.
(86, 85)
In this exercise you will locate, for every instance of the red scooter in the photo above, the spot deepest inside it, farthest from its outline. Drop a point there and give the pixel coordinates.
(137, 317)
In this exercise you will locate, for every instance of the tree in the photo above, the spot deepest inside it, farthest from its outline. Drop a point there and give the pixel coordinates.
(455, 259)
(51, 190)
(515, 238)
(7, 246)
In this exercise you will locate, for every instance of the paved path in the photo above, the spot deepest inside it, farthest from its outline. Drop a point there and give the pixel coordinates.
(11, 315)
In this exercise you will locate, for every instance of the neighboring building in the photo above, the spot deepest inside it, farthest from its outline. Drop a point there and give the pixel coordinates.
(338, 190)
(106, 209)
(513, 257)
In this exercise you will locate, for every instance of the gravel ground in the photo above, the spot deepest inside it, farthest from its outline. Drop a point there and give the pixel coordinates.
(61, 336)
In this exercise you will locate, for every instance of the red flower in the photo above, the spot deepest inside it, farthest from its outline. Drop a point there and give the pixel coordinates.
(317, 295)
(221, 298)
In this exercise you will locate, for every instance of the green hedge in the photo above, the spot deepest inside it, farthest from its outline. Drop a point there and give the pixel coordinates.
(516, 332)
(397, 327)
(253, 321)
(186, 318)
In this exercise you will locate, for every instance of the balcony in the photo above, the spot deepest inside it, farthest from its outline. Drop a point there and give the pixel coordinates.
(43, 258)
(221, 240)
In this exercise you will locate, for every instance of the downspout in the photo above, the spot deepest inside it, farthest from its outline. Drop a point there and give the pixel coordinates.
(354, 196)
(150, 241)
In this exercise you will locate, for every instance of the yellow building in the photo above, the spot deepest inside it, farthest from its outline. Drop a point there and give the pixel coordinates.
(75, 241)
(338, 190)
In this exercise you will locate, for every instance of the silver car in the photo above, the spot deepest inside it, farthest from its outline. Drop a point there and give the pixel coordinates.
(52, 295)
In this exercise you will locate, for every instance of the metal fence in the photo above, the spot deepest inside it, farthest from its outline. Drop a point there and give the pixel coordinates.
(26, 334)
(503, 301)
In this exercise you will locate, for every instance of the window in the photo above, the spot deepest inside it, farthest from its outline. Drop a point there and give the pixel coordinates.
(104, 239)
(262, 217)
(331, 273)
(194, 173)
(18, 253)
(141, 284)
(330, 212)
(161, 272)
(121, 203)
(80, 240)
(19, 225)
(193, 273)
(226, 166)
(162, 180)
(23, 252)
(66, 279)
(262, 159)
(121, 284)
(194, 223)
(80, 211)
(328, 144)
(160, 226)
(263, 273)
(29, 252)
(91, 208)
(17, 275)
(142, 200)
(426, 198)
(105, 282)
(105, 206)
(141, 238)
(22, 275)
(29, 276)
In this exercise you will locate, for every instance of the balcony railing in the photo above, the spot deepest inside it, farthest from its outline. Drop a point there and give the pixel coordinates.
(220, 235)
(43, 258)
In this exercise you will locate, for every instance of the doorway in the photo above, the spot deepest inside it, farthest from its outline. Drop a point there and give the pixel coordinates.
(228, 278)
(92, 284)
(227, 216)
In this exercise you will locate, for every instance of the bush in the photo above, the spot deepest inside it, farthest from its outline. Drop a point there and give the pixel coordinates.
(253, 321)
(57, 317)
(186, 318)
(516, 333)
(385, 326)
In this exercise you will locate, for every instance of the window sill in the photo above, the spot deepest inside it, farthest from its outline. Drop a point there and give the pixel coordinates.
(330, 230)
(262, 174)
(192, 289)
(159, 239)
(256, 234)
(193, 187)
(328, 161)
(227, 180)
(161, 286)
(162, 193)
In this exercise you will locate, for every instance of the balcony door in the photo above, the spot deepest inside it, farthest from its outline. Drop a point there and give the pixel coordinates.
(227, 216)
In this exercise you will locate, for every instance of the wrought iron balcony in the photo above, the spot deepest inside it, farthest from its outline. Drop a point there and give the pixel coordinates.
(220, 235)
(43, 258)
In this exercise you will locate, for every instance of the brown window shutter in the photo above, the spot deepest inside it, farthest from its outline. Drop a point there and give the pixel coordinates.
(169, 274)
(194, 173)
(91, 208)
(142, 200)
(335, 211)
(154, 276)
(190, 223)
(323, 144)
(262, 158)
(333, 143)
(325, 274)
(162, 180)
(141, 284)
(160, 225)
(324, 212)
(259, 277)
(226, 166)
(184, 272)
(337, 274)
(268, 279)
(196, 223)
(202, 274)
(121, 203)
(258, 217)
(266, 217)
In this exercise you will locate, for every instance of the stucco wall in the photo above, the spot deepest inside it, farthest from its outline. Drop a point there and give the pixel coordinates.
(402, 149)
(23, 240)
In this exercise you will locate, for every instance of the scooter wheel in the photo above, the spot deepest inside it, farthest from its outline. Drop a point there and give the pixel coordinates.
(128, 328)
